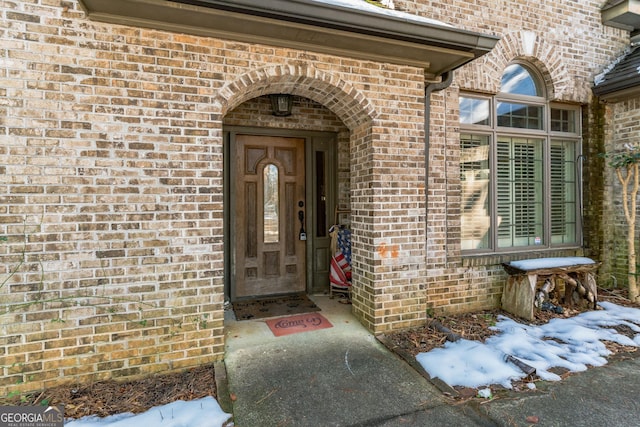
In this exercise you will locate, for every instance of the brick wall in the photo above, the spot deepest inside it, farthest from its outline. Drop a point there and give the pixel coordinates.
(623, 128)
(111, 192)
(112, 195)
(565, 38)
(568, 45)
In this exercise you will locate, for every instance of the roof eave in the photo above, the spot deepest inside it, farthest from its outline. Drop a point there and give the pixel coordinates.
(306, 25)
(624, 15)
(617, 92)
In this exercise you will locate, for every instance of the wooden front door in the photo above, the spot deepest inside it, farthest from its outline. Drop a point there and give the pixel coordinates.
(270, 211)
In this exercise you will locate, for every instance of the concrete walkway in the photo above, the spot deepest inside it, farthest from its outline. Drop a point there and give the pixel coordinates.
(342, 376)
(603, 396)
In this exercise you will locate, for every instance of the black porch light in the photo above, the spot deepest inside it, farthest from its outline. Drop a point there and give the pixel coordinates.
(281, 104)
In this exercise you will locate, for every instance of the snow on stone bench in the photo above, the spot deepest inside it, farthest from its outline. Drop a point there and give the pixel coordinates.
(543, 263)
(537, 277)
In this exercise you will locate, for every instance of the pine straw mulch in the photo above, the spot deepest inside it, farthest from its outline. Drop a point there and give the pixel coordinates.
(112, 397)
(476, 326)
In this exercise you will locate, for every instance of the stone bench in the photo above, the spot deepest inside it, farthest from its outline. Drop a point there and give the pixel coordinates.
(531, 276)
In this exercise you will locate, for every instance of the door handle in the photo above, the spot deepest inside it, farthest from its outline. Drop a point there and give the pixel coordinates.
(303, 235)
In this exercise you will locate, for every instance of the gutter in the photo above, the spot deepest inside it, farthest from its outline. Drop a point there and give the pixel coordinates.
(447, 79)
(338, 17)
(312, 25)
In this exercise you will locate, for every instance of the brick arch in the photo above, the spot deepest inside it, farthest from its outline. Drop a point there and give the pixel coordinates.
(485, 75)
(306, 81)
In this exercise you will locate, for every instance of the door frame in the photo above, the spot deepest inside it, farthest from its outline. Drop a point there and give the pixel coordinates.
(313, 141)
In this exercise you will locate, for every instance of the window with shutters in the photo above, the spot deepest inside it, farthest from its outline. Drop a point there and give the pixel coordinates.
(518, 167)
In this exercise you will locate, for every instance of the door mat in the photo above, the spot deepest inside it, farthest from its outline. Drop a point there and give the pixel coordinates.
(274, 306)
(300, 323)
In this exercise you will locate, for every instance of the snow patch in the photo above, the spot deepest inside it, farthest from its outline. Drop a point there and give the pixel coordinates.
(203, 412)
(574, 343)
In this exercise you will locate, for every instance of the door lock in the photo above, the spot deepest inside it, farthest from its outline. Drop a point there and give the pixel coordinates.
(303, 234)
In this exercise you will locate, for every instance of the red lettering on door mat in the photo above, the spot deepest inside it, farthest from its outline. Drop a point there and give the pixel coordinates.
(300, 323)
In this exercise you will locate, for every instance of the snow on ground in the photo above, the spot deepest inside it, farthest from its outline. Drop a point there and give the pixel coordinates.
(196, 413)
(573, 343)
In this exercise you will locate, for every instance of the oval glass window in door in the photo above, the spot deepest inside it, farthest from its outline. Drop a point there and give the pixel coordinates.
(271, 203)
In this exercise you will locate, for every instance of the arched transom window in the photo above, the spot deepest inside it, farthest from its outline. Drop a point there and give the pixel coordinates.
(518, 167)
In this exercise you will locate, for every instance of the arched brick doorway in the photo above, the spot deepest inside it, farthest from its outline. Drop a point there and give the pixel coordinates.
(323, 106)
